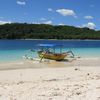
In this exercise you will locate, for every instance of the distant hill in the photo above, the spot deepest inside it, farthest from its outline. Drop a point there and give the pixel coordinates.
(43, 31)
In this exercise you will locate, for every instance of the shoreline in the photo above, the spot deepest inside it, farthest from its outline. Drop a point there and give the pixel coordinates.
(58, 39)
(25, 64)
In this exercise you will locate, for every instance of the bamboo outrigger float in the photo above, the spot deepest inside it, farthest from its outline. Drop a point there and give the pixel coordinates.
(46, 53)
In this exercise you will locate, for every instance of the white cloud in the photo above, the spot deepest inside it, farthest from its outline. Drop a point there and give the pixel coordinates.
(88, 17)
(47, 22)
(62, 24)
(4, 22)
(35, 23)
(21, 2)
(42, 19)
(50, 9)
(66, 12)
(90, 25)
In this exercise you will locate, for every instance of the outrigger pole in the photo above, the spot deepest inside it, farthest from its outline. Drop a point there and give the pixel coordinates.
(71, 53)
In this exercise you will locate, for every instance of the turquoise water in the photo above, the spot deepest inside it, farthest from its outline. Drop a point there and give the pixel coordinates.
(87, 52)
(14, 50)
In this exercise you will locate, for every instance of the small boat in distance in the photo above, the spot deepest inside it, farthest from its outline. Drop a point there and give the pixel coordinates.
(48, 51)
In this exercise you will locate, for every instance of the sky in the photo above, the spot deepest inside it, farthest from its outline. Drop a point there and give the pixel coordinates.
(79, 13)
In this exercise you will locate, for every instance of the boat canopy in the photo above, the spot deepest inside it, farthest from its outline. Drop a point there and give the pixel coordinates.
(50, 45)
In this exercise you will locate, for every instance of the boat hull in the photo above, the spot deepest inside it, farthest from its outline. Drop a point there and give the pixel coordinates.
(52, 56)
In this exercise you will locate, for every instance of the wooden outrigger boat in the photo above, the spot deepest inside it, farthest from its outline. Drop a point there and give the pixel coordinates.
(52, 56)
(46, 53)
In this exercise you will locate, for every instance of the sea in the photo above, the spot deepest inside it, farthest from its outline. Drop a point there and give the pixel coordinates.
(15, 50)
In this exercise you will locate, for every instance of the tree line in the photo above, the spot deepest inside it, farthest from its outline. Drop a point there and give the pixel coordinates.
(43, 31)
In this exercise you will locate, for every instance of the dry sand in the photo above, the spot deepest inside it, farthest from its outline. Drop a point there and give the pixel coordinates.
(31, 80)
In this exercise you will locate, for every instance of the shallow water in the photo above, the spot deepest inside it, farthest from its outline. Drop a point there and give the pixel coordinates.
(13, 50)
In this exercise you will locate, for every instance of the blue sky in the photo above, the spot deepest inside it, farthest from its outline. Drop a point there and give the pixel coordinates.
(80, 13)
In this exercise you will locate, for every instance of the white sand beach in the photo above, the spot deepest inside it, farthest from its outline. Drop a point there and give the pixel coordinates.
(31, 80)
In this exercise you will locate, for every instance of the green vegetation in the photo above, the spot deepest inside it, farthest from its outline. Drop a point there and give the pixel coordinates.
(42, 31)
